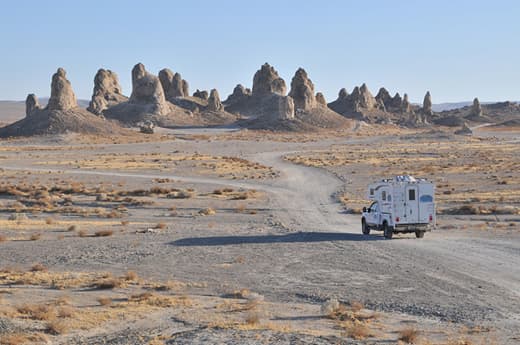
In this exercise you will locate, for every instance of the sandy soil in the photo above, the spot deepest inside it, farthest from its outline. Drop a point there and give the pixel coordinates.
(290, 244)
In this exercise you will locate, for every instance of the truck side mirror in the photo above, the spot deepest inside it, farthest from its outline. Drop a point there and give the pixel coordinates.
(364, 209)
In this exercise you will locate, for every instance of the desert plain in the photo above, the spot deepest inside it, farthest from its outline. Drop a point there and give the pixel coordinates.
(228, 235)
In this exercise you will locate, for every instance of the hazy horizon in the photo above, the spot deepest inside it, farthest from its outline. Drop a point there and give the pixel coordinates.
(456, 50)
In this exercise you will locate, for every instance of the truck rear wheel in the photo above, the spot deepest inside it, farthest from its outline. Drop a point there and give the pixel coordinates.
(419, 234)
(388, 231)
(364, 228)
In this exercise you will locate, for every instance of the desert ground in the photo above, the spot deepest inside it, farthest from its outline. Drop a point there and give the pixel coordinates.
(197, 236)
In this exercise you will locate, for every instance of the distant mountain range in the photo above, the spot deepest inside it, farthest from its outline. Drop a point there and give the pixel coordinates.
(456, 105)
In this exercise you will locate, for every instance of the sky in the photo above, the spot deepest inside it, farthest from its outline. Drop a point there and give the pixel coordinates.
(456, 49)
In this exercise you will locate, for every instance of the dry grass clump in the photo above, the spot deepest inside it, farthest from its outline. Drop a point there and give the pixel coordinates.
(357, 330)
(3, 238)
(131, 276)
(38, 267)
(72, 228)
(35, 237)
(56, 327)
(104, 301)
(253, 317)
(21, 338)
(408, 335)
(161, 226)
(106, 283)
(208, 211)
(125, 222)
(82, 233)
(42, 312)
(180, 194)
(157, 300)
(103, 233)
(50, 221)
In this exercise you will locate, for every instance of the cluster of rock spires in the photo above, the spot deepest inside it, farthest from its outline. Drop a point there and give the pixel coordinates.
(165, 98)
(61, 114)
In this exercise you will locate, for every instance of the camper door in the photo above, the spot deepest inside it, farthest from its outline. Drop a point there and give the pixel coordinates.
(411, 208)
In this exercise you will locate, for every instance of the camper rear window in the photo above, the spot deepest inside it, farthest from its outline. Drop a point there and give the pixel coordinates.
(426, 198)
(411, 194)
(371, 191)
(383, 195)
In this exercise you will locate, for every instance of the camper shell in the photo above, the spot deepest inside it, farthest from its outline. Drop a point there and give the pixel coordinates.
(401, 204)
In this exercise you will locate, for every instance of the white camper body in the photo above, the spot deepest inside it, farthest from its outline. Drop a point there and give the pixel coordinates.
(401, 204)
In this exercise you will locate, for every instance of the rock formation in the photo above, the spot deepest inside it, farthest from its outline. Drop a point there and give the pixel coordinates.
(240, 94)
(366, 100)
(302, 91)
(383, 97)
(214, 103)
(201, 94)
(320, 99)
(31, 104)
(62, 95)
(185, 88)
(427, 104)
(107, 92)
(148, 91)
(405, 105)
(267, 81)
(476, 109)
(342, 94)
(172, 84)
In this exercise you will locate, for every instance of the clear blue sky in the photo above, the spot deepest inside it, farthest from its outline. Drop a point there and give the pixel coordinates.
(456, 49)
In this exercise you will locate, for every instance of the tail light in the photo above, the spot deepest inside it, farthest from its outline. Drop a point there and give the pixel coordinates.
(431, 218)
(397, 219)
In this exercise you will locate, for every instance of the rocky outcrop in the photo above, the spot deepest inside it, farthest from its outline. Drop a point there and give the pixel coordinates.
(405, 105)
(107, 92)
(172, 84)
(267, 81)
(240, 95)
(427, 104)
(342, 94)
(185, 88)
(31, 104)
(383, 97)
(302, 91)
(147, 91)
(476, 109)
(62, 95)
(214, 103)
(201, 94)
(354, 104)
(320, 99)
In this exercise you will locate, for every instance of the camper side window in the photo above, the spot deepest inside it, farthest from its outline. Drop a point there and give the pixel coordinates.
(411, 194)
(371, 191)
(383, 195)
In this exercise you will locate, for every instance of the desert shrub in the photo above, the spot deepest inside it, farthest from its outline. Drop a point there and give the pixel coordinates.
(38, 268)
(208, 211)
(131, 276)
(82, 233)
(72, 228)
(56, 327)
(253, 317)
(104, 301)
(3, 238)
(357, 330)
(408, 335)
(35, 237)
(103, 233)
(180, 195)
(107, 283)
(161, 226)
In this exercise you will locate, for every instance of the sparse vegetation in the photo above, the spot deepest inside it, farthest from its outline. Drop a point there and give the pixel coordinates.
(409, 335)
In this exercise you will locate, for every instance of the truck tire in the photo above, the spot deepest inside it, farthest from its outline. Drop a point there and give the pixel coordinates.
(387, 231)
(364, 228)
(419, 234)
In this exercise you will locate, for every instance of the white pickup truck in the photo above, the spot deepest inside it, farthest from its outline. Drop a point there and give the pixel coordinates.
(400, 205)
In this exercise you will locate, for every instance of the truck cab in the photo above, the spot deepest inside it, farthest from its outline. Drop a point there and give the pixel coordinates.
(403, 204)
